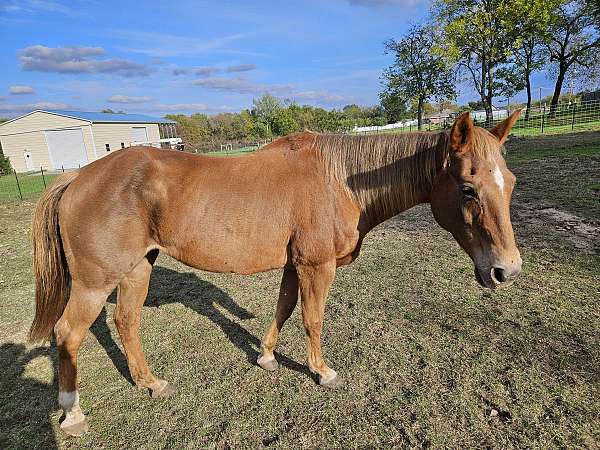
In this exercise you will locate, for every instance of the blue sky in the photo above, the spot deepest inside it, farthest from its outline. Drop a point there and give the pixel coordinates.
(195, 56)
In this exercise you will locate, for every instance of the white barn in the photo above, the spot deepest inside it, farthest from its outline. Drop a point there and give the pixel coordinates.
(68, 139)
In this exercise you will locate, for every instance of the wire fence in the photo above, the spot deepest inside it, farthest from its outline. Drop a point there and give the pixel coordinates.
(563, 118)
(23, 186)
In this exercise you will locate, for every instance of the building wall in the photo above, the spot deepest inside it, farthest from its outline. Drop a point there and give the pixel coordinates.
(14, 146)
(28, 134)
(116, 133)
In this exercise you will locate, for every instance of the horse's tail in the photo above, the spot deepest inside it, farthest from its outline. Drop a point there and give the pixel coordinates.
(50, 270)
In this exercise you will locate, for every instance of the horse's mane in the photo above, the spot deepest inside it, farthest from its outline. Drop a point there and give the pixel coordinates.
(388, 173)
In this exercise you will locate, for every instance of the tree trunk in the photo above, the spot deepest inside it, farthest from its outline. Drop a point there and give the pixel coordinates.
(528, 86)
(420, 114)
(562, 71)
(489, 114)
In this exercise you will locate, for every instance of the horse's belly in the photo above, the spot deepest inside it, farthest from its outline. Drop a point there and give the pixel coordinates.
(220, 253)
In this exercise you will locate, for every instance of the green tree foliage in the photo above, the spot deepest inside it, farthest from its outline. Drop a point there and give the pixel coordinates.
(419, 73)
(5, 166)
(574, 42)
(265, 108)
(480, 37)
(284, 122)
(530, 21)
(268, 118)
(394, 106)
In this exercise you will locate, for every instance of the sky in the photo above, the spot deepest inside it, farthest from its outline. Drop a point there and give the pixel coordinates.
(196, 56)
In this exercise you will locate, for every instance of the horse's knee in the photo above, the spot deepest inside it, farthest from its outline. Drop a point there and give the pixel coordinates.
(61, 331)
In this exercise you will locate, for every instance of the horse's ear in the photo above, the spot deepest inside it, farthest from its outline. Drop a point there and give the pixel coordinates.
(502, 130)
(461, 134)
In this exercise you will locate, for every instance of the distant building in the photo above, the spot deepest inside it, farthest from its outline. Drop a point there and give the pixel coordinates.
(443, 116)
(69, 139)
(497, 114)
(589, 96)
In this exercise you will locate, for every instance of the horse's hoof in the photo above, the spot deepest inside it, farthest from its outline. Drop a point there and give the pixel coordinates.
(165, 391)
(332, 380)
(76, 429)
(267, 364)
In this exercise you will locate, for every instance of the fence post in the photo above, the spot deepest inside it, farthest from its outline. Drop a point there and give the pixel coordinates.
(543, 117)
(18, 185)
(573, 116)
(43, 178)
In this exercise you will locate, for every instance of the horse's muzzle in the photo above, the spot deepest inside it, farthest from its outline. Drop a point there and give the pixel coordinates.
(497, 276)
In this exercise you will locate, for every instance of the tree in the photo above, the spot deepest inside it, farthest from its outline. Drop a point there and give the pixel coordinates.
(284, 122)
(265, 108)
(480, 38)
(418, 73)
(574, 41)
(5, 166)
(530, 21)
(394, 106)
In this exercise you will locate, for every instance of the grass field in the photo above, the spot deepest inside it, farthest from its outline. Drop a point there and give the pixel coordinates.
(429, 359)
(30, 185)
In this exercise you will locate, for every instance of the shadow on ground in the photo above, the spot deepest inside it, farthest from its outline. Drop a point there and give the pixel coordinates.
(27, 404)
(169, 286)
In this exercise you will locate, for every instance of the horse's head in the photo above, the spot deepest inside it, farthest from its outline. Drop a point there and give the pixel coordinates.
(471, 199)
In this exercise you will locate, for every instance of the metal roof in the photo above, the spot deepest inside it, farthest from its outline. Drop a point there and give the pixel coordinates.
(98, 117)
(109, 117)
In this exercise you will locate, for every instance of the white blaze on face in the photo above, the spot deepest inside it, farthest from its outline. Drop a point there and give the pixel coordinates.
(499, 178)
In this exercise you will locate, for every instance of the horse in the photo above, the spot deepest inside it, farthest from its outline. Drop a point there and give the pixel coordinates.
(303, 203)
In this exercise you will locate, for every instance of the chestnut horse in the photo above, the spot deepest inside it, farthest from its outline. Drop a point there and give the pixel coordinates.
(304, 203)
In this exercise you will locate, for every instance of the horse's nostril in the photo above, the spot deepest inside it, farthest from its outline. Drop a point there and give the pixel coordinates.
(500, 274)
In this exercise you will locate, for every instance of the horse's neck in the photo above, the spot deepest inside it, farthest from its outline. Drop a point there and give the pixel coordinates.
(409, 186)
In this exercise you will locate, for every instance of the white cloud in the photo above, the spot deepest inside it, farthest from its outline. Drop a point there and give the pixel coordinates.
(178, 107)
(243, 86)
(20, 90)
(241, 68)
(26, 107)
(164, 45)
(323, 96)
(77, 60)
(128, 99)
(35, 6)
(206, 71)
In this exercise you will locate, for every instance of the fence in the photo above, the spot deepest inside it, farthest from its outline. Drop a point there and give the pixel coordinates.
(234, 149)
(21, 186)
(564, 118)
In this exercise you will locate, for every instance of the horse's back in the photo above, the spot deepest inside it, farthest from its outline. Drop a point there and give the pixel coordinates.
(233, 214)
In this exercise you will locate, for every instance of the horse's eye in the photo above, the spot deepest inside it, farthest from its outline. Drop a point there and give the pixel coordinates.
(468, 191)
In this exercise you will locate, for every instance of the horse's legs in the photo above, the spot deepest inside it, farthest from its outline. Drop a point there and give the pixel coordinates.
(288, 297)
(82, 309)
(315, 282)
(132, 292)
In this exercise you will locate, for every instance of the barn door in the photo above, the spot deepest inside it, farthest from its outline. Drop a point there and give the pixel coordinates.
(66, 148)
(139, 134)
